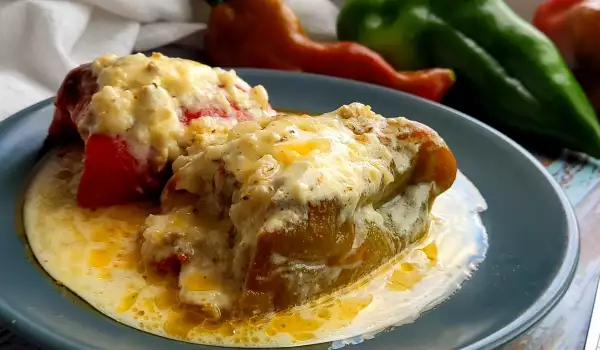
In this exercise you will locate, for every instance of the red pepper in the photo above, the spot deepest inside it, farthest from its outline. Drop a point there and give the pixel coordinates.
(111, 174)
(574, 27)
(267, 34)
(73, 97)
(240, 114)
(552, 18)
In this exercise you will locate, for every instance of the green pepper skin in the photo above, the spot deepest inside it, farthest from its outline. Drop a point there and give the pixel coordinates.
(512, 73)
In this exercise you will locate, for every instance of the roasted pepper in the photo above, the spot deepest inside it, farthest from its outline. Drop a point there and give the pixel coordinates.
(112, 174)
(267, 34)
(513, 75)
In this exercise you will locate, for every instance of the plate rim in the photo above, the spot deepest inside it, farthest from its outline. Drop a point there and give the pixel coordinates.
(527, 320)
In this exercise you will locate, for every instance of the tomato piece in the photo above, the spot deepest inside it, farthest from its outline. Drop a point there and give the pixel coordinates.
(111, 175)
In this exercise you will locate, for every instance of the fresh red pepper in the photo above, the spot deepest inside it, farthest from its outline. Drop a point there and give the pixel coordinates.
(574, 27)
(552, 18)
(585, 19)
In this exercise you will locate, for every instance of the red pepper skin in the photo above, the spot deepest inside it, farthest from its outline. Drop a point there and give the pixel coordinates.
(552, 19)
(240, 114)
(364, 64)
(278, 41)
(574, 26)
(74, 95)
(112, 176)
(553, 13)
(585, 26)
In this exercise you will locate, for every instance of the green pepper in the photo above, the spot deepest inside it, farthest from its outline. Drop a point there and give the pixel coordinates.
(511, 73)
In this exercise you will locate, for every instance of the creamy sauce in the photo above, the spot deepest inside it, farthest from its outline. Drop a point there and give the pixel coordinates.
(96, 255)
(145, 100)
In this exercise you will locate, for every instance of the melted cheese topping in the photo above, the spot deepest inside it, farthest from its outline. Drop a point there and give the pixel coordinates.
(145, 99)
(263, 175)
(347, 155)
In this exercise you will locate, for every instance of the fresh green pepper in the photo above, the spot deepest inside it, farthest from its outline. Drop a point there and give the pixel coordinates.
(510, 71)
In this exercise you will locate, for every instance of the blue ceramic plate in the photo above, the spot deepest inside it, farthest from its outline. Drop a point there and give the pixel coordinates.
(533, 236)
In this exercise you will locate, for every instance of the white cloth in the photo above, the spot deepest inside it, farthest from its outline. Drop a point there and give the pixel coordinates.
(41, 40)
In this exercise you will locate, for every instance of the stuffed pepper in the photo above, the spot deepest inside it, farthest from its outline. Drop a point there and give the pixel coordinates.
(136, 114)
(285, 209)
